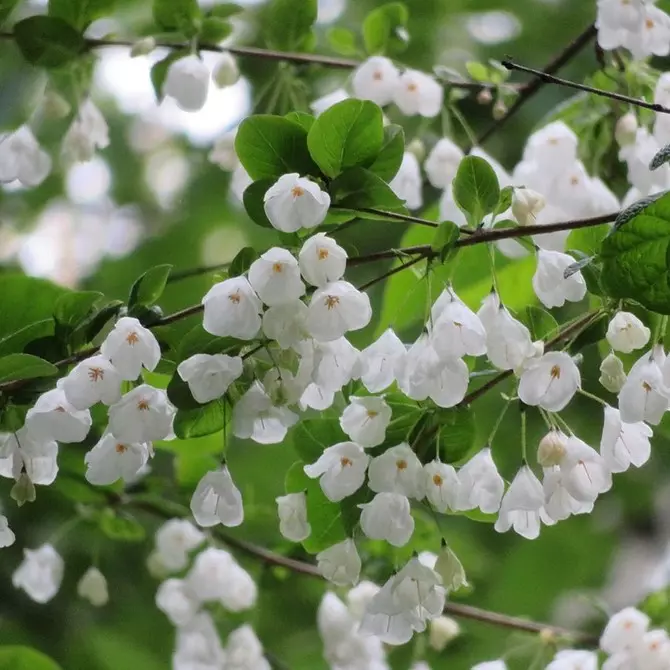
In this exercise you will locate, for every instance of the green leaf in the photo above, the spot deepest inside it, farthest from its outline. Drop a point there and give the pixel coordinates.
(635, 255)
(72, 309)
(24, 366)
(445, 237)
(342, 41)
(199, 341)
(160, 69)
(539, 322)
(48, 41)
(225, 10)
(120, 526)
(476, 189)
(24, 658)
(661, 158)
(457, 433)
(312, 437)
(389, 158)
(288, 23)
(6, 8)
(588, 240)
(505, 200)
(15, 342)
(205, 420)
(478, 71)
(149, 287)
(180, 395)
(405, 416)
(346, 135)
(191, 467)
(12, 418)
(214, 29)
(242, 261)
(270, 146)
(90, 328)
(302, 119)
(254, 203)
(80, 13)
(180, 15)
(385, 29)
(359, 188)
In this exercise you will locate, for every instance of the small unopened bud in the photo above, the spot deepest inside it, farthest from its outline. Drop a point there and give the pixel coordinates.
(143, 47)
(442, 631)
(485, 97)
(55, 106)
(526, 205)
(625, 130)
(418, 148)
(552, 449)
(225, 72)
(93, 587)
(156, 566)
(612, 375)
(499, 110)
(451, 570)
(23, 491)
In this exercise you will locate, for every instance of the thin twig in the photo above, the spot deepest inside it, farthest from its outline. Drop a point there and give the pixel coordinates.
(391, 272)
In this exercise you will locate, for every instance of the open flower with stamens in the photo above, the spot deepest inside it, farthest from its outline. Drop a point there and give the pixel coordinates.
(341, 469)
(143, 415)
(365, 420)
(233, 309)
(275, 277)
(644, 395)
(54, 418)
(388, 517)
(111, 459)
(337, 308)
(130, 346)
(376, 79)
(397, 470)
(550, 381)
(441, 485)
(294, 202)
(322, 260)
(93, 380)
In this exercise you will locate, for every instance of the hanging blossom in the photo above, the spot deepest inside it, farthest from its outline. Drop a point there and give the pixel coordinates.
(187, 82)
(22, 159)
(88, 132)
(294, 202)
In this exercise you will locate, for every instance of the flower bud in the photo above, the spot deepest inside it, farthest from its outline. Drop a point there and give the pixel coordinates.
(552, 449)
(187, 81)
(451, 570)
(143, 47)
(625, 130)
(54, 105)
(156, 566)
(93, 587)
(418, 148)
(499, 110)
(485, 97)
(23, 491)
(225, 72)
(526, 205)
(625, 333)
(612, 375)
(442, 631)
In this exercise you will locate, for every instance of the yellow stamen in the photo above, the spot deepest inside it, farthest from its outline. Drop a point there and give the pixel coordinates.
(401, 464)
(297, 191)
(332, 301)
(235, 298)
(556, 372)
(143, 405)
(322, 254)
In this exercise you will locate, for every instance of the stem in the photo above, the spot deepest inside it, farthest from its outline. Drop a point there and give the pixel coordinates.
(660, 331)
(499, 420)
(524, 435)
(390, 273)
(464, 124)
(587, 394)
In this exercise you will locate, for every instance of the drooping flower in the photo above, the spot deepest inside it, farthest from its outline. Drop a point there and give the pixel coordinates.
(388, 517)
(54, 418)
(456, 330)
(521, 505)
(549, 282)
(585, 473)
(209, 376)
(22, 158)
(625, 332)
(559, 502)
(142, 415)
(232, 309)
(286, 323)
(292, 511)
(337, 308)
(322, 260)
(441, 485)
(341, 469)
(442, 163)
(216, 500)
(418, 93)
(130, 347)
(376, 79)
(244, 650)
(365, 420)
(93, 587)
(624, 444)
(407, 182)
(7, 537)
(294, 202)
(40, 574)
(644, 395)
(23, 454)
(378, 361)
(480, 484)
(275, 277)
(187, 82)
(111, 459)
(397, 470)
(177, 601)
(88, 132)
(340, 564)
(91, 381)
(526, 205)
(198, 645)
(550, 381)
(174, 540)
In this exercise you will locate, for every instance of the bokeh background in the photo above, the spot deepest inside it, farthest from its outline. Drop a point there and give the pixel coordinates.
(154, 197)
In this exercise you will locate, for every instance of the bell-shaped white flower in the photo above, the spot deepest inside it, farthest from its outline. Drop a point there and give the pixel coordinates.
(336, 363)
(360, 596)
(275, 277)
(54, 418)
(130, 347)
(337, 308)
(209, 376)
(441, 485)
(111, 459)
(418, 93)
(526, 205)
(198, 645)
(89, 131)
(549, 282)
(292, 511)
(552, 449)
(585, 473)
(142, 415)
(521, 505)
(340, 564)
(174, 540)
(378, 361)
(7, 537)
(294, 202)
(624, 630)
(93, 587)
(554, 147)
(644, 396)
(256, 417)
(232, 309)
(321, 104)
(341, 469)
(653, 651)
(223, 152)
(625, 129)
(624, 444)
(335, 623)
(244, 650)
(559, 502)
(625, 333)
(397, 470)
(24, 454)
(187, 81)
(177, 601)
(442, 163)
(574, 659)
(376, 79)
(216, 500)
(225, 72)
(612, 374)
(366, 419)
(322, 260)
(22, 158)
(449, 567)
(442, 631)
(480, 484)
(550, 381)
(286, 323)
(388, 517)
(407, 182)
(456, 330)
(40, 573)
(91, 381)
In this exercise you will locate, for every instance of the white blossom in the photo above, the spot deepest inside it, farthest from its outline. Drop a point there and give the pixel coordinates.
(418, 93)
(225, 72)
(549, 282)
(142, 415)
(456, 330)
(7, 537)
(216, 500)
(320, 105)
(336, 363)
(322, 260)
(54, 418)
(23, 452)
(337, 308)
(341, 469)
(554, 147)
(378, 361)
(340, 564)
(397, 470)
(209, 376)
(624, 444)
(624, 630)
(552, 449)
(88, 132)
(294, 202)
(359, 597)
(232, 309)
(625, 332)
(244, 651)
(406, 184)
(187, 81)
(526, 205)
(626, 127)
(644, 395)
(376, 79)
(93, 587)
(612, 374)
(521, 505)
(111, 459)
(93, 380)
(442, 631)
(177, 601)
(223, 152)
(442, 163)
(573, 659)
(292, 511)
(174, 540)
(130, 347)
(22, 158)
(365, 420)
(286, 323)
(585, 473)
(388, 517)
(480, 484)
(275, 277)
(198, 645)
(40, 574)
(550, 381)
(559, 501)
(441, 484)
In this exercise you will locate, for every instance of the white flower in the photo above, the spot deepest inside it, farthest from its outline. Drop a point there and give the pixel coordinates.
(177, 601)
(442, 163)
(22, 158)
(54, 418)
(320, 105)
(624, 444)
(365, 420)
(625, 130)
(322, 260)
(653, 653)
(142, 415)
(244, 651)
(441, 485)
(198, 645)
(337, 308)
(335, 623)
(225, 72)
(187, 81)
(209, 376)
(388, 517)
(637, 156)
(549, 282)
(91, 381)
(407, 182)
(521, 505)
(111, 459)
(23, 452)
(624, 630)
(550, 381)
(572, 659)
(480, 484)
(552, 449)
(336, 363)
(612, 375)
(294, 202)
(292, 511)
(644, 395)
(88, 132)
(174, 540)
(456, 330)
(233, 309)
(625, 332)
(40, 574)
(7, 537)
(559, 502)
(256, 417)
(397, 470)
(376, 79)
(223, 152)
(341, 468)
(286, 323)
(490, 665)
(143, 47)
(653, 35)
(93, 587)
(442, 631)
(585, 473)
(526, 205)
(378, 361)
(130, 346)
(554, 147)
(359, 597)
(448, 567)
(216, 500)
(418, 93)
(275, 277)
(340, 564)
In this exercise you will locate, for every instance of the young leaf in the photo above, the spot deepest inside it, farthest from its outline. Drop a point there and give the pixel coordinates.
(359, 188)
(15, 342)
(302, 119)
(253, 199)
(24, 658)
(346, 135)
(159, 71)
(288, 23)
(149, 287)
(224, 10)
(457, 432)
(242, 262)
(179, 15)
(80, 13)
(389, 158)
(199, 341)
(342, 41)
(24, 366)
(6, 8)
(539, 322)
(204, 420)
(476, 189)
(48, 41)
(385, 29)
(74, 308)
(120, 526)
(214, 29)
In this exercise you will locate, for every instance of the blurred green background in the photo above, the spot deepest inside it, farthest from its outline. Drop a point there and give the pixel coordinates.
(156, 183)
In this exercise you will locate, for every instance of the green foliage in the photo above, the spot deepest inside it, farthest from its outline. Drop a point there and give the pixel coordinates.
(446, 236)
(148, 288)
(6, 8)
(342, 41)
(199, 341)
(80, 13)
(160, 69)
(242, 261)
(25, 658)
(179, 15)
(385, 29)
(24, 366)
(48, 41)
(73, 311)
(203, 420)
(214, 29)
(539, 322)
(312, 437)
(254, 203)
(346, 135)
(287, 24)
(457, 432)
(476, 189)
(302, 119)
(388, 160)
(359, 188)
(225, 10)
(121, 526)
